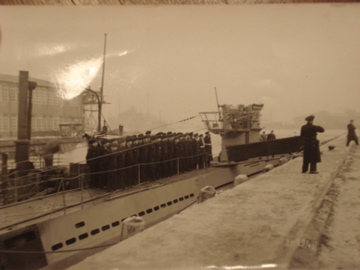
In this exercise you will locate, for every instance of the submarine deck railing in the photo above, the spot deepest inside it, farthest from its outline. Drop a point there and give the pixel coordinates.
(16, 188)
(12, 191)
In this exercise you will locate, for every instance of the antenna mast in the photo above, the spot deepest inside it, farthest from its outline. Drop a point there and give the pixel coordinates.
(217, 102)
(102, 86)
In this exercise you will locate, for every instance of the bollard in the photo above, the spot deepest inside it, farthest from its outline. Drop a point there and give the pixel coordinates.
(283, 160)
(131, 226)
(206, 193)
(241, 178)
(268, 167)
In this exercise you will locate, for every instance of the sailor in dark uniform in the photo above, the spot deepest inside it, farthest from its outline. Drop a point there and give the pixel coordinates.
(186, 152)
(351, 136)
(157, 154)
(120, 161)
(142, 157)
(150, 160)
(311, 145)
(181, 153)
(170, 152)
(112, 175)
(128, 161)
(93, 162)
(147, 158)
(177, 153)
(201, 151)
(196, 146)
(208, 149)
(106, 163)
(136, 160)
(164, 156)
(271, 136)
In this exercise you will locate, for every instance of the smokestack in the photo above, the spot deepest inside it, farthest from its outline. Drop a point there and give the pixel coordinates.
(23, 139)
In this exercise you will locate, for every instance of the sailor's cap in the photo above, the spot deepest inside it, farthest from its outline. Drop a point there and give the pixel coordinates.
(310, 118)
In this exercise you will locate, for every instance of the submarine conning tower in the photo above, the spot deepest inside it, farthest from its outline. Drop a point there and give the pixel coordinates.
(236, 124)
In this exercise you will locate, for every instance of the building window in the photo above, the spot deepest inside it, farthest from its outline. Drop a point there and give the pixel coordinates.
(4, 92)
(44, 99)
(13, 93)
(35, 97)
(50, 123)
(59, 101)
(44, 123)
(56, 123)
(38, 123)
(33, 127)
(13, 123)
(52, 98)
(4, 123)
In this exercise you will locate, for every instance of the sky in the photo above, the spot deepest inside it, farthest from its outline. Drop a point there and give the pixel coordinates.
(296, 59)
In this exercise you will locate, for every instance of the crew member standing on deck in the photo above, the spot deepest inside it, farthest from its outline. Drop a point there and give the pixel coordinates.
(208, 149)
(351, 133)
(201, 152)
(263, 137)
(271, 136)
(311, 145)
(120, 161)
(92, 160)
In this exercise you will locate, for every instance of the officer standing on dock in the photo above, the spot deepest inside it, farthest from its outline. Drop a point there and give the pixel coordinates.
(351, 136)
(311, 145)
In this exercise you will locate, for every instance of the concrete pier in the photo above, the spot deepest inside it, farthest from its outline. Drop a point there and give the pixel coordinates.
(258, 224)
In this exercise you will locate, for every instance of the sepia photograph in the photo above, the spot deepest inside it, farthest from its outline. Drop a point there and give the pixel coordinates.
(180, 137)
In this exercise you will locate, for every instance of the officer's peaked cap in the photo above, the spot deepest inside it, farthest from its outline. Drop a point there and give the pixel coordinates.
(310, 118)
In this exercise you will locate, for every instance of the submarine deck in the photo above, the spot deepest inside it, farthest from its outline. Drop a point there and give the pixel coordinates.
(42, 208)
(258, 224)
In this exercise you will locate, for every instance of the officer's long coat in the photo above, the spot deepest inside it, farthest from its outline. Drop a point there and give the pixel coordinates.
(351, 132)
(311, 144)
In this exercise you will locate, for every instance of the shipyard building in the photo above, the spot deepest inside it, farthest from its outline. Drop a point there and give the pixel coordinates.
(51, 114)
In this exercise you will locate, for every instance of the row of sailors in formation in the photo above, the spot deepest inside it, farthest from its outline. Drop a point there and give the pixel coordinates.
(129, 161)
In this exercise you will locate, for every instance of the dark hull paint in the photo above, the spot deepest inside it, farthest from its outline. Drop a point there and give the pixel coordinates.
(153, 204)
(262, 149)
